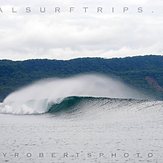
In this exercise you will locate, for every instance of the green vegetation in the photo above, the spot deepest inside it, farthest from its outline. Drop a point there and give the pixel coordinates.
(132, 70)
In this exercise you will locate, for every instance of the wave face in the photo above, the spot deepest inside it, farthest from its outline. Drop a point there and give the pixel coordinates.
(92, 105)
(56, 95)
(77, 104)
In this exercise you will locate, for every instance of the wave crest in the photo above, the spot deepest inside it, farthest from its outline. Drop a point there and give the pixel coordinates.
(58, 94)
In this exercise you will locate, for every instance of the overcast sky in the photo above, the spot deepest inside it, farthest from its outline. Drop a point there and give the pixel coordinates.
(65, 36)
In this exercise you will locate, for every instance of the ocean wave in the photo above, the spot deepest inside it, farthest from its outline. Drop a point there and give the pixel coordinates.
(75, 104)
(63, 95)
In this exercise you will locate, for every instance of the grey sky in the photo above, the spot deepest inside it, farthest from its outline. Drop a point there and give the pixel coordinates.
(79, 34)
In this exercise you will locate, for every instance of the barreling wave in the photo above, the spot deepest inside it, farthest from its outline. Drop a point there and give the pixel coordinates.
(79, 105)
(69, 95)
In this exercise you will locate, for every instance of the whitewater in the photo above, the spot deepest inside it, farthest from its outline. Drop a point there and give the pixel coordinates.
(82, 119)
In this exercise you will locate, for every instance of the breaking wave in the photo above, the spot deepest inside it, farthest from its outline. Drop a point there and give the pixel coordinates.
(69, 95)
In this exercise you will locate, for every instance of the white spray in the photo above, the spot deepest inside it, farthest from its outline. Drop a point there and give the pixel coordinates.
(38, 97)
